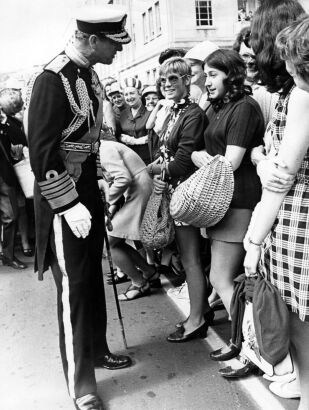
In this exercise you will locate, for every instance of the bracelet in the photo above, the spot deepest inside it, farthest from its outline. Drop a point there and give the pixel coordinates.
(254, 243)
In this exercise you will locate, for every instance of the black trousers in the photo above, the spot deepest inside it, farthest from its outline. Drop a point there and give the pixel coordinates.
(8, 215)
(77, 269)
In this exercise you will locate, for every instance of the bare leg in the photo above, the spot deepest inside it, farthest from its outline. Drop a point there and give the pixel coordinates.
(23, 227)
(128, 258)
(299, 333)
(187, 238)
(226, 260)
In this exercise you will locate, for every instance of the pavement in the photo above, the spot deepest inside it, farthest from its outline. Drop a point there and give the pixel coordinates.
(164, 376)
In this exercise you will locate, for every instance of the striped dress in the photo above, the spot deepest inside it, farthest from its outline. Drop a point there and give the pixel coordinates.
(285, 253)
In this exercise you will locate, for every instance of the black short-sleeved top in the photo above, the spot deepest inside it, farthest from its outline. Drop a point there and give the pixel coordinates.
(238, 123)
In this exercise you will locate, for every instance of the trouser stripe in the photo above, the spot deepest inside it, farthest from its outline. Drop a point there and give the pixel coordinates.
(68, 330)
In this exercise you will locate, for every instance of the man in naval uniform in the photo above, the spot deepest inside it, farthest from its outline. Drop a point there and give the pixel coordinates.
(64, 121)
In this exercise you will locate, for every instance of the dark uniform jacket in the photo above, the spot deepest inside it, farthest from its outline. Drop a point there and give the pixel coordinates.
(50, 113)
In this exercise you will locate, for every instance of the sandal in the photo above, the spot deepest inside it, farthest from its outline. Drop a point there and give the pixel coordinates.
(154, 279)
(117, 279)
(135, 292)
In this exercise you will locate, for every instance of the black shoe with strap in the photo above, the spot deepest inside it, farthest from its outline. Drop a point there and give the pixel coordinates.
(112, 361)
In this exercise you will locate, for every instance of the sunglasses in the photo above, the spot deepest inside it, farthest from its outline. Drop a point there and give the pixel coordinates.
(172, 79)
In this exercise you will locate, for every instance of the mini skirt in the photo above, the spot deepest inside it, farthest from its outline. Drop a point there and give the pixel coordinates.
(233, 226)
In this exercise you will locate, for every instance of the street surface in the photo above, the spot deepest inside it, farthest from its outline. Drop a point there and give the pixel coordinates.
(164, 376)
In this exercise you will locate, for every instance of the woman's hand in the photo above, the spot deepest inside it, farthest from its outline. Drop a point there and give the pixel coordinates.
(159, 185)
(257, 154)
(154, 168)
(252, 259)
(272, 178)
(200, 158)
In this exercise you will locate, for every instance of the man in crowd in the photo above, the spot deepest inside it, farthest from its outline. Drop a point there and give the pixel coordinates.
(64, 123)
(8, 195)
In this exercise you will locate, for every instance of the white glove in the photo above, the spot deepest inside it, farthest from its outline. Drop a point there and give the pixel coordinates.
(79, 220)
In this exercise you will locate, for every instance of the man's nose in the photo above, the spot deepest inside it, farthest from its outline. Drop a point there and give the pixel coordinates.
(119, 47)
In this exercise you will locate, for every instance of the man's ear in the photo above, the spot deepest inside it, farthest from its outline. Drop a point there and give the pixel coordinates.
(93, 39)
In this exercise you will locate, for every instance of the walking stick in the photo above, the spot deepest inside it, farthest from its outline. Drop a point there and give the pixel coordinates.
(109, 226)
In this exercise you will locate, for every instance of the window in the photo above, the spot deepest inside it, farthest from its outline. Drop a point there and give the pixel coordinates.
(151, 25)
(203, 10)
(145, 28)
(158, 17)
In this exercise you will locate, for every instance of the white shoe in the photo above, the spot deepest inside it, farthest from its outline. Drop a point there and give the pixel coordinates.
(179, 293)
(287, 390)
(285, 378)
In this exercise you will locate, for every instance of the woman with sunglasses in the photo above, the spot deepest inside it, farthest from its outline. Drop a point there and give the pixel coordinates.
(183, 135)
(236, 125)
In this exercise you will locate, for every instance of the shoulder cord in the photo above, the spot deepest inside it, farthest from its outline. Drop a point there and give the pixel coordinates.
(86, 106)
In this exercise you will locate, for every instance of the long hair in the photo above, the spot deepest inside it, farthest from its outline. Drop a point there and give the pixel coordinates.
(293, 46)
(230, 62)
(242, 37)
(269, 19)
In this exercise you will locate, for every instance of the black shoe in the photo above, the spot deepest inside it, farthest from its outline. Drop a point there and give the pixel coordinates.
(248, 369)
(218, 355)
(113, 362)
(89, 402)
(13, 263)
(208, 317)
(180, 337)
(28, 252)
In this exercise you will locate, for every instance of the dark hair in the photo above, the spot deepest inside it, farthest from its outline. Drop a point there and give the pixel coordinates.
(269, 19)
(244, 36)
(230, 62)
(171, 52)
(158, 85)
(293, 46)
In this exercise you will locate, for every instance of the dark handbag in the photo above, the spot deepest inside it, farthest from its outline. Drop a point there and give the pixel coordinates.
(260, 319)
(271, 321)
(157, 227)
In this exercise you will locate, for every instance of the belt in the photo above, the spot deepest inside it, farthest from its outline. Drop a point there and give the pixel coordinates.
(89, 148)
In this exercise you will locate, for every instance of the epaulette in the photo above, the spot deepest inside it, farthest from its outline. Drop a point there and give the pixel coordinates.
(58, 63)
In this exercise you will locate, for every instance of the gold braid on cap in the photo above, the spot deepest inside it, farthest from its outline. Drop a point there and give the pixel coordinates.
(118, 37)
(80, 114)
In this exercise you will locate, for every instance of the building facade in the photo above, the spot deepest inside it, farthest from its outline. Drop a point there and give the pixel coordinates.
(159, 24)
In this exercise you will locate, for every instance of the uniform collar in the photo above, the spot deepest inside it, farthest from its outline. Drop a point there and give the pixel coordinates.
(76, 56)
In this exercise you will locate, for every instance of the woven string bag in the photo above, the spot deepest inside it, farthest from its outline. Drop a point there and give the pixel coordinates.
(203, 199)
(157, 227)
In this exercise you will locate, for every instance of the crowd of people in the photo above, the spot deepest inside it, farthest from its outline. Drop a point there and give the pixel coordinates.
(248, 104)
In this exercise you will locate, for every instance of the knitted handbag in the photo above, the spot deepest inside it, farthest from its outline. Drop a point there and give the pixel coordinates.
(203, 199)
(157, 227)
